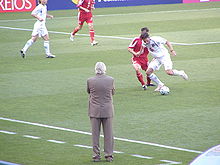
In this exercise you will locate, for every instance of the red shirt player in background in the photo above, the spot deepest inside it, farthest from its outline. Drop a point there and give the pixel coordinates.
(85, 8)
(140, 58)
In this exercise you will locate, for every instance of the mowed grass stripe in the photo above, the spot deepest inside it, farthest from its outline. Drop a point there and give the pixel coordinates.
(48, 82)
(126, 14)
(167, 15)
(154, 17)
(168, 18)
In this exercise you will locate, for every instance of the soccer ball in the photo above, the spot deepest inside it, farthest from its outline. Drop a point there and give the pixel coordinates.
(164, 90)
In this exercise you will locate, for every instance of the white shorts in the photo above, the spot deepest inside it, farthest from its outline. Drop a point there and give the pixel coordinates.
(39, 29)
(156, 63)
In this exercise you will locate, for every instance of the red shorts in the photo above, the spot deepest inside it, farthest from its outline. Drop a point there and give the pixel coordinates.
(84, 17)
(143, 62)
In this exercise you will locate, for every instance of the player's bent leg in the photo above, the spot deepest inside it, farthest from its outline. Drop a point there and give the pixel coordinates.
(170, 72)
(72, 34)
(149, 81)
(149, 71)
(144, 67)
(78, 28)
(34, 38)
(154, 78)
(27, 45)
(179, 73)
(141, 79)
(139, 75)
(91, 27)
(46, 37)
(149, 84)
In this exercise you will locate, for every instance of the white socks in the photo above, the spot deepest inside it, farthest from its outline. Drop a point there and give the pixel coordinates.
(177, 72)
(154, 78)
(27, 45)
(30, 42)
(47, 47)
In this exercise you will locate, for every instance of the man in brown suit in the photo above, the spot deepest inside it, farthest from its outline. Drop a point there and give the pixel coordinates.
(100, 89)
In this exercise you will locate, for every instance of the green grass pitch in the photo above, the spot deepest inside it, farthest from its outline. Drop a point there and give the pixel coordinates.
(53, 91)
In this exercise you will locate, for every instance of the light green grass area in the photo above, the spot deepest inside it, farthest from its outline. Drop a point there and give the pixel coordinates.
(53, 91)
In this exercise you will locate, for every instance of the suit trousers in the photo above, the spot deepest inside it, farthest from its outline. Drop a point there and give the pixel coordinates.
(108, 135)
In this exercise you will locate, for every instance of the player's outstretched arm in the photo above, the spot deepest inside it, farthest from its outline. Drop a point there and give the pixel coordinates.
(172, 51)
(50, 16)
(35, 16)
(86, 10)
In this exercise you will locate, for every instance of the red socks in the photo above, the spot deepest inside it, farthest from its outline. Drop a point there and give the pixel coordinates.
(148, 80)
(140, 78)
(75, 31)
(92, 35)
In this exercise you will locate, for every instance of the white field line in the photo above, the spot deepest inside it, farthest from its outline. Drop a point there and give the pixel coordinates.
(118, 152)
(110, 15)
(7, 163)
(88, 133)
(170, 162)
(82, 146)
(65, 33)
(88, 147)
(56, 141)
(191, 44)
(157, 145)
(140, 156)
(56, 32)
(111, 37)
(32, 137)
(7, 132)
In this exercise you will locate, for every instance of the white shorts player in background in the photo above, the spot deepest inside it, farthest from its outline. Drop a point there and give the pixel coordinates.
(40, 30)
(161, 56)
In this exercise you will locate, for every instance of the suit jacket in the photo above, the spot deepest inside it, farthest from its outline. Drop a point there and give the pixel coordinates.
(101, 89)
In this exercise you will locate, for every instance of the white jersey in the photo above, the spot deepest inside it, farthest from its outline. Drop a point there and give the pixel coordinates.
(40, 11)
(156, 47)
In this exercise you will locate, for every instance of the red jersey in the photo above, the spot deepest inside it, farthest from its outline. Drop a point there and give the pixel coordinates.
(136, 45)
(88, 4)
(142, 60)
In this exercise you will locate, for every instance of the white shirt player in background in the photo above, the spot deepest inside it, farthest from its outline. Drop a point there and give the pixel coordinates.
(40, 30)
(161, 56)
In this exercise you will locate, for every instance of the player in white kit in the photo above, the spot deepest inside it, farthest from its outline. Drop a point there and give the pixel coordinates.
(161, 56)
(40, 30)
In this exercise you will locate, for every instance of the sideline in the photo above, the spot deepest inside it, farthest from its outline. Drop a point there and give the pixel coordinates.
(88, 133)
(90, 147)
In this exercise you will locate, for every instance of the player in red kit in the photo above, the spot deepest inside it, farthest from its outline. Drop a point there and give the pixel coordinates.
(85, 8)
(140, 59)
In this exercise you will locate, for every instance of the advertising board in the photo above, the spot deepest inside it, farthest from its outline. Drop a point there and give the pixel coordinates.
(16, 5)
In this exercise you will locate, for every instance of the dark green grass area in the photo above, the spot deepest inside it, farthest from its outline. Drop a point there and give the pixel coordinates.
(53, 91)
